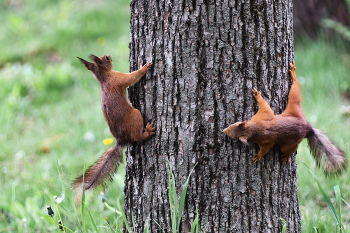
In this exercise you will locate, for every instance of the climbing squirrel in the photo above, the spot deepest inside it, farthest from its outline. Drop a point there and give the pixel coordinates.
(287, 130)
(124, 121)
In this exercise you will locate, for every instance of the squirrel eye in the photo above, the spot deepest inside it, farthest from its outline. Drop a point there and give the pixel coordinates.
(107, 58)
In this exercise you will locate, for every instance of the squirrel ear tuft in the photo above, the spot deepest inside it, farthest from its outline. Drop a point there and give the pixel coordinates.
(96, 59)
(87, 64)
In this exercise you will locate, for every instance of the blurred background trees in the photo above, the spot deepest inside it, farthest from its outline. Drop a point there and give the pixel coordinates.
(310, 15)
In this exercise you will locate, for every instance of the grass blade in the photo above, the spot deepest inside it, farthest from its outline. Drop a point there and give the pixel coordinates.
(182, 198)
(92, 220)
(65, 188)
(159, 225)
(338, 199)
(105, 221)
(111, 208)
(284, 225)
(69, 198)
(132, 219)
(147, 225)
(117, 226)
(123, 215)
(126, 222)
(325, 196)
(344, 201)
(175, 202)
(171, 198)
(194, 226)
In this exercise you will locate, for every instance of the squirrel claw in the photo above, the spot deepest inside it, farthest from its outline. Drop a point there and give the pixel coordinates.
(148, 65)
(285, 159)
(150, 128)
(256, 158)
(255, 92)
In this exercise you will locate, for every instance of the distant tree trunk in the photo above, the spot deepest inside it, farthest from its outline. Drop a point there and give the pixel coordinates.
(207, 57)
(308, 14)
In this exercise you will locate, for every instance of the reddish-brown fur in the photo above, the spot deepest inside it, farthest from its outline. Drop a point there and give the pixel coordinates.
(124, 121)
(287, 130)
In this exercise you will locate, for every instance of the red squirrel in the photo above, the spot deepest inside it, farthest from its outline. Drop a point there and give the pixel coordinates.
(287, 130)
(124, 121)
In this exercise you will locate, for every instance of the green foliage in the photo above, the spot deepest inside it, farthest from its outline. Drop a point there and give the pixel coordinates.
(195, 225)
(284, 225)
(49, 102)
(337, 27)
(175, 212)
(323, 72)
(338, 197)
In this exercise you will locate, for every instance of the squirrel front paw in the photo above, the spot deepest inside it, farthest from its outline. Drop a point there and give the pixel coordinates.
(148, 65)
(149, 129)
(292, 66)
(256, 93)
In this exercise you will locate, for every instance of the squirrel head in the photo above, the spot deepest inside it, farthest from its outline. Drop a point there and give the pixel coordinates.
(236, 130)
(103, 63)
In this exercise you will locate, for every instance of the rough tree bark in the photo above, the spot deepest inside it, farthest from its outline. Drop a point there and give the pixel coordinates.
(207, 56)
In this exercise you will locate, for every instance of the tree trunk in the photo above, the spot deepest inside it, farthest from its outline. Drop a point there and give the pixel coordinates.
(207, 56)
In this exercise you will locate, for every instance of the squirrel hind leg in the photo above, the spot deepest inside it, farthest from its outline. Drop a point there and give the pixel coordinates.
(135, 124)
(263, 150)
(287, 152)
(285, 158)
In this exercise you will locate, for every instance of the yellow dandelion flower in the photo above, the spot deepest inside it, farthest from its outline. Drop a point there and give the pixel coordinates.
(108, 141)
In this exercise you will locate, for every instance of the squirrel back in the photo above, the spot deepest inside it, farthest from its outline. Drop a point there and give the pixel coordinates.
(124, 121)
(287, 130)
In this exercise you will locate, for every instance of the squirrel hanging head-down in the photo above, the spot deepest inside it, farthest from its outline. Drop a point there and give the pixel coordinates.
(124, 121)
(287, 130)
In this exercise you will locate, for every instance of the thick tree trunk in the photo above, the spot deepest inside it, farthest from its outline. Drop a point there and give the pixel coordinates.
(207, 57)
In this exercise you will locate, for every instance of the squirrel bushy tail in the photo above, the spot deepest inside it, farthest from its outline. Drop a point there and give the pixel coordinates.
(101, 171)
(326, 153)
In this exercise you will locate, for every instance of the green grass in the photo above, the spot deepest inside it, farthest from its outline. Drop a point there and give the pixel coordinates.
(336, 214)
(49, 101)
(176, 207)
(323, 71)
